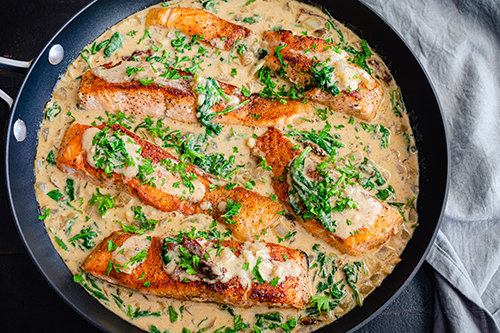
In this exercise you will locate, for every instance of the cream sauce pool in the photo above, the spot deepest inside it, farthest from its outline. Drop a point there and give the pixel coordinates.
(397, 164)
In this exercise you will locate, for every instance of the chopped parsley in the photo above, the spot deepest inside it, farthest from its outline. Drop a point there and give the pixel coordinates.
(132, 70)
(359, 57)
(104, 202)
(256, 271)
(232, 209)
(381, 132)
(111, 152)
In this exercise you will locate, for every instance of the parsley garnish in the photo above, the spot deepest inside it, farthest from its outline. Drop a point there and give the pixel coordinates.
(104, 202)
(256, 271)
(131, 70)
(232, 209)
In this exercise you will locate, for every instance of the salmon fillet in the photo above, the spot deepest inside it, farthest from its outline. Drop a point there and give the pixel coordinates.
(176, 99)
(278, 152)
(360, 101)
(215, 31)
(257, 212)
(292, 292)
(133, 97)
(259, 111)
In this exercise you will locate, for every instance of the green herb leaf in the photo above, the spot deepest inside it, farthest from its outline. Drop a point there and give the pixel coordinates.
(105, 202)
(256, 271)
(351, 272)
(147, 82)
(69, 189)
(131, 70)
(55, 195)
(232, 209)
(51, 158)
(172, 314)
(252, 19)
(274, 282)
(85, 238)
(359, 57)
(53, 111)
(114, 44)
(45, 215)
(112, 246)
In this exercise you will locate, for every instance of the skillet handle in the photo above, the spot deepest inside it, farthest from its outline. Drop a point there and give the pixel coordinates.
(16, 66)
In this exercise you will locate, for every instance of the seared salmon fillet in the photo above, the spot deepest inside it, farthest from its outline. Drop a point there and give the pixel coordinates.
(157, 99)
(259, 111)
(215, 31)
(111, 89)
(256, 213)
(300, 54)
(385, 220)
(212, 281)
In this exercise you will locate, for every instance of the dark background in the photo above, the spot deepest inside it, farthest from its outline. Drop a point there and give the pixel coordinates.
(27, 302)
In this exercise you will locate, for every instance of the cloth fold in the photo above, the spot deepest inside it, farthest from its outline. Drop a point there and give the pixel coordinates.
(458, 43)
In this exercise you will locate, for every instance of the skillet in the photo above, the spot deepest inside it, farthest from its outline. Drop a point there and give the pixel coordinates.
(37, 88)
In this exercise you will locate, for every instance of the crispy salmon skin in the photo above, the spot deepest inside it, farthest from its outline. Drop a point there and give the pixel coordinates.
(256, 213)
(278, 152)
(215, 31)
(295, 53)
(150, 276)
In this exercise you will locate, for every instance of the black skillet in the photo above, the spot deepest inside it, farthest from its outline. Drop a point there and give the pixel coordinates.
(88, 24)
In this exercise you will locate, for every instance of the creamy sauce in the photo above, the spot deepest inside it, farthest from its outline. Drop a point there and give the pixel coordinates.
(349, 221)
(239, 266)
(397, 164)
(145, 71)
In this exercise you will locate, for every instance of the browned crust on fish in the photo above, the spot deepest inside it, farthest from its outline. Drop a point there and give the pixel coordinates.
(360, 102)
(133, 97)
(293, 292)
(278, 152)
(180, 104)
(193, 21)
(259, 111)
(257, 212)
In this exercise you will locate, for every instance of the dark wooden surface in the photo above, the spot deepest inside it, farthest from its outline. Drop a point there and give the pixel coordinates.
(27, 302)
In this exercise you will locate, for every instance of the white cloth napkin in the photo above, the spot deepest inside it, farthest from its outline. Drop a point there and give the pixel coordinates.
(458, 43)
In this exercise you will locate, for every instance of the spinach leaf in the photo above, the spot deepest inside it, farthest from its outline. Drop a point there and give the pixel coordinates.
(115, 42)
(85, 238)
(321, 77)
(322, 138)
(351, 272)
(359, 57)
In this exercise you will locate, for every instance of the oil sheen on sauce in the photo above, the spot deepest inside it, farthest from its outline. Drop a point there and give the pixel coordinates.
(397, 164)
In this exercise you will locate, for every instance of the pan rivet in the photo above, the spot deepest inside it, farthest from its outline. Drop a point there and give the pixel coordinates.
(56, 54)
(19, 130)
